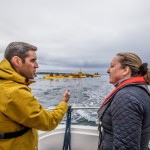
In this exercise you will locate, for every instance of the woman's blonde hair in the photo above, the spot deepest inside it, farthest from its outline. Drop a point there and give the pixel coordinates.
(134, 62)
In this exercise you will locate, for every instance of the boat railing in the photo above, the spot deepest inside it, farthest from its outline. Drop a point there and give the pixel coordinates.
(75, 107)
(67, 135)
(68, 119)
(71, 108)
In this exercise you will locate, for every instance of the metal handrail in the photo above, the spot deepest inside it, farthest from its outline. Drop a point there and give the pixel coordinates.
(75, 107)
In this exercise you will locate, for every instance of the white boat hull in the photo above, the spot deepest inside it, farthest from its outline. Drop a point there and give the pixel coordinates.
(82, 138)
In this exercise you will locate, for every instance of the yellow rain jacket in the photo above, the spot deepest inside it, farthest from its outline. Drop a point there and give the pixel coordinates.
(19, 108)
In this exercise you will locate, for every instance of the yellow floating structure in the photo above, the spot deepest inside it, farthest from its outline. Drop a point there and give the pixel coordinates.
(70, 75)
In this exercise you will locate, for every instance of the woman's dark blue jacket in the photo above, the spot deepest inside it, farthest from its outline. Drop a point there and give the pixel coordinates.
(126, 120)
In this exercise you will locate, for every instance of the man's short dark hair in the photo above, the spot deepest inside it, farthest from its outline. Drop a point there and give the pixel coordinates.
(19, 49)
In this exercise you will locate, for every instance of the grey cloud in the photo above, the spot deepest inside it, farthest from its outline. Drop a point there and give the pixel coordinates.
(81, 33)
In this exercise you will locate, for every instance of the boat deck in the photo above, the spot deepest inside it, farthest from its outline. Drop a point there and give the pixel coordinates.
(82, 138)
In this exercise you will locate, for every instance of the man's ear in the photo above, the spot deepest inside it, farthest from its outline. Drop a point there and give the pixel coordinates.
(127, 71)
(16, 61)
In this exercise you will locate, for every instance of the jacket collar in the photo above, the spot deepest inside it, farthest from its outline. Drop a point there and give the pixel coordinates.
(8, 73)
(138, 79)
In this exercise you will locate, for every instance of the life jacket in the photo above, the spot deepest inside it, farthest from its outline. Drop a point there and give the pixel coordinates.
(13, 134)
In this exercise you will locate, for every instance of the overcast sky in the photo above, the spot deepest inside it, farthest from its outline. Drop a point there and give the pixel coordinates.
(77, 34)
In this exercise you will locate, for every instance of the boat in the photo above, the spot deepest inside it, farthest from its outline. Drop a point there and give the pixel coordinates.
(81, 137)
(96, 75)
(54, 77)
(70, 75)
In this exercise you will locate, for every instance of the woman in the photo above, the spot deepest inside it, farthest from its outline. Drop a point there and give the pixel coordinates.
(125, 113)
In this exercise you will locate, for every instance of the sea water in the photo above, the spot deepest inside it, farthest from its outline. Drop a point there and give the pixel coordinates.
(85, 92)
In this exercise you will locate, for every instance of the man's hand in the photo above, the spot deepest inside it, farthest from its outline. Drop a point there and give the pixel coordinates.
(66, 96)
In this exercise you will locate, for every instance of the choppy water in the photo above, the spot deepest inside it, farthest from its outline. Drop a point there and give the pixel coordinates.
(88, 92)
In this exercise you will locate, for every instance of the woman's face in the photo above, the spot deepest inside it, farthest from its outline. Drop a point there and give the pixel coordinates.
(115, 71)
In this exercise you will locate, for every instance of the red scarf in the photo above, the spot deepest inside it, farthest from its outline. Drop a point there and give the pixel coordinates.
(137, 79)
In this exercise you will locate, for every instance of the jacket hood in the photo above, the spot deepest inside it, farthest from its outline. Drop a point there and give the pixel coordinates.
(8, 73)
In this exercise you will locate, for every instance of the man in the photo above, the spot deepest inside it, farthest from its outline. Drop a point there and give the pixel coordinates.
(21, 115)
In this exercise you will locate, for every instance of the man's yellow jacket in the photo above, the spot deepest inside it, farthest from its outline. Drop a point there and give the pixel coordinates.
(19, 109)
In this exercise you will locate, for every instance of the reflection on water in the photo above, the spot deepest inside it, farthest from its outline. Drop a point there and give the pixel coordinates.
(88, 92)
